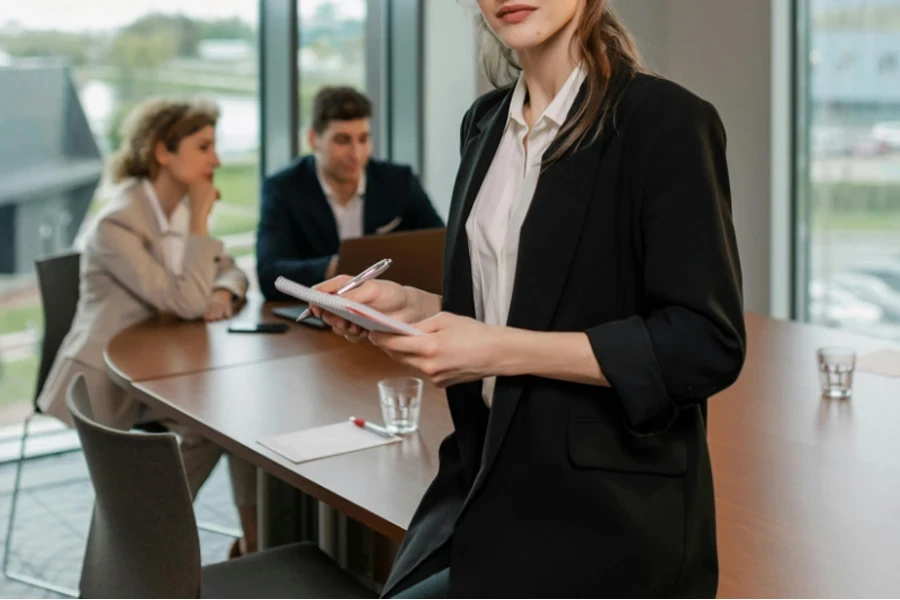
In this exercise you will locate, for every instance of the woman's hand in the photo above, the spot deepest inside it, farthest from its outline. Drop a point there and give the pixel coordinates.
(201, 198)
(394, 300)
(453, 350)
(220, 306)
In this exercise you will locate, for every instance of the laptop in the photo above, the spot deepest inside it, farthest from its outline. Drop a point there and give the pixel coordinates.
(418, 261)
(418, 257)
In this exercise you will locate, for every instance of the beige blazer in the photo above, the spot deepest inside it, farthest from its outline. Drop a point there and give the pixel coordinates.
(124, 280)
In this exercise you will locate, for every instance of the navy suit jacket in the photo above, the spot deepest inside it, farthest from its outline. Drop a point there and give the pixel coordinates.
(297, 234)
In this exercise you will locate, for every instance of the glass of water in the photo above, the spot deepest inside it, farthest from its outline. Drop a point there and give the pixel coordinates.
(836, 371)
(401, 402)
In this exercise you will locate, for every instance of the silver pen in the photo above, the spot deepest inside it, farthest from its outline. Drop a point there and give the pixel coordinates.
(371, 273)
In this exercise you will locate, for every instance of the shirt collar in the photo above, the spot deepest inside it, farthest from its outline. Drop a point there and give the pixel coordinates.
(178, 222)
(517, 105)
(558, 110)
(329, 194)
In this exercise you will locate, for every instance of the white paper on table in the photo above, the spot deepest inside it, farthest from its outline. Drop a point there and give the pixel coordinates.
(320, 442)
(883, 362)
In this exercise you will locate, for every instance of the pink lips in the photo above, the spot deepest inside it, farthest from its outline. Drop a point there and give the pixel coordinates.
(515, 13)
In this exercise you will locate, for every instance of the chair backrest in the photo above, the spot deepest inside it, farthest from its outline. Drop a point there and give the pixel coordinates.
(143, 539)
(58, 279)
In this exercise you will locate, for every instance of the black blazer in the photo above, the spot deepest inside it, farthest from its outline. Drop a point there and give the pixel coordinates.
(297, 233)
(569, 490)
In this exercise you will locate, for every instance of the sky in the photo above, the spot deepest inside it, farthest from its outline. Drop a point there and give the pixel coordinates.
(834, 4)
(82, 15)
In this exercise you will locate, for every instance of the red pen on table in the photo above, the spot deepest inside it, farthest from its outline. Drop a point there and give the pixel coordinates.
(376, 429)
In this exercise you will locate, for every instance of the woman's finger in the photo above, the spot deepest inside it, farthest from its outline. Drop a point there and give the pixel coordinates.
(332, 285)
(407, 344)
(334, 321)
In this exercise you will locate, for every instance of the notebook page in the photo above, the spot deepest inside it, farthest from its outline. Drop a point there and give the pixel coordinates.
(362, 315)
(319, 298)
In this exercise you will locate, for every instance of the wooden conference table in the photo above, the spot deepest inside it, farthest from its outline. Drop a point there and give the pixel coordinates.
(807, 490)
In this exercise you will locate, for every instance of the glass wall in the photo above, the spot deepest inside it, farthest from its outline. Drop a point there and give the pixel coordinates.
(332, 39)
(68, 74)
(848, 167)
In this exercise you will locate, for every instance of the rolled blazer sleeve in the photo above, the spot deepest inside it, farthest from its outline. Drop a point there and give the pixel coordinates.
(230, 277)
(689, 343)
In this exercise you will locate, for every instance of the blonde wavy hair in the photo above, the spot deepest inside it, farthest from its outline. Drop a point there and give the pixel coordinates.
(166, 120)
(611, 59)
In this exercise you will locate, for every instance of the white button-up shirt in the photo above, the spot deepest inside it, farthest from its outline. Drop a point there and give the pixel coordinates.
(349, 216)
(174, 230)
(504, 198)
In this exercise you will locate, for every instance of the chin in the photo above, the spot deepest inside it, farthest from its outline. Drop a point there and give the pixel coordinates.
(198, 180)
(521, 38)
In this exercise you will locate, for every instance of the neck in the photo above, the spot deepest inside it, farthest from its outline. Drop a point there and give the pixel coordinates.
(545, 68)
(343, 190)
(169, 191)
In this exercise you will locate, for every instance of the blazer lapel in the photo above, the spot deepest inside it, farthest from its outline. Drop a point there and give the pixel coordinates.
(477, 156)
(146, 222)
(464, 400)
(547, 245)
(550, 235)
(310, 208)
(377, 209)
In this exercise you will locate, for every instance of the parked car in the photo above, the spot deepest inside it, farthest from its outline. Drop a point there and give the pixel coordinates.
(888, 132)
(832, 305)
(887, 270)
(869, 147)
(829, 140)
(872, 289)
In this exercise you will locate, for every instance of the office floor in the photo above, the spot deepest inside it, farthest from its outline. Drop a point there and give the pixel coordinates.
(54, 514)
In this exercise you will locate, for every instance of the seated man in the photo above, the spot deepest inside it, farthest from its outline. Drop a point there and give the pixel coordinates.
(334, 194)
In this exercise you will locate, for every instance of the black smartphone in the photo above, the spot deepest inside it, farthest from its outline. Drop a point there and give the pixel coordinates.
(258, 327)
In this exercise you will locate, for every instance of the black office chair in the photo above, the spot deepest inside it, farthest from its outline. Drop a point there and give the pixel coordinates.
(143, 539)
(58, 280)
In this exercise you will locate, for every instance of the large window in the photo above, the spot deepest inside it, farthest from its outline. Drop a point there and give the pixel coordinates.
(848, 171)
(332, 40)
(74, 70)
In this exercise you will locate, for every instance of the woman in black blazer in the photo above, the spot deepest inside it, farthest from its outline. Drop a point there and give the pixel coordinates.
(592, 303)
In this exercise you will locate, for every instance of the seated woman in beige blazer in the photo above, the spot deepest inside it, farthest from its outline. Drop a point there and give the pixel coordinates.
(149, 253)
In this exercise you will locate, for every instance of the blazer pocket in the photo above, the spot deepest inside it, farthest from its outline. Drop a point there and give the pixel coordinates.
(598, 444)
(389, 227)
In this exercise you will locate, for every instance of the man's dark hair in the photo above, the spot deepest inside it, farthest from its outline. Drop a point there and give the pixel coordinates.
(338, 104)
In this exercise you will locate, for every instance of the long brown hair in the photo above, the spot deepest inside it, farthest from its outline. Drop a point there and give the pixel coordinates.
(610, 57)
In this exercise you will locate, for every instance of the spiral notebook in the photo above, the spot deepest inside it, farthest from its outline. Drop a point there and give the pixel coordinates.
(367, 318)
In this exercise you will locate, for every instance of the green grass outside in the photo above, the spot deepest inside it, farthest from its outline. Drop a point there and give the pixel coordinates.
(239, 185)
(20, 319)
(226, 223)
(860, 221)
(145, 84)
(17, 381)
(242, 251)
